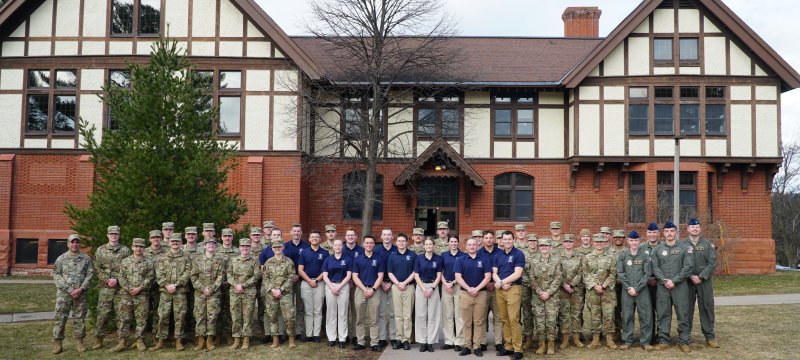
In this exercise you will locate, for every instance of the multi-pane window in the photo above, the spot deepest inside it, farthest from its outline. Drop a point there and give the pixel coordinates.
(357, 117)
(51, 102)
(715, 110)
(513, 117)
(662, 49)
(513, 197)
(142, 15)
(690, 111)
(697, 108)
(55, 247)
(27, 251)
(117, 78)
(439, 116)
(437, 192)
(353, 195)
(638, 111)
(688, 195)
(664, 118)
(229, 100)
(636, 202)
(689, 50)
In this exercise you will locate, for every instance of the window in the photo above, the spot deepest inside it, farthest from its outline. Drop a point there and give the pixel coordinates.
(229, 101)
(437, 192)
(513, 117)
(426, 122)
(636, 197)
(638, 111)
(664, 118)
(513, 197)
(690, 111)
(142, 15)
(662, 50)
(27, 251)
(353, 195)
(438, 116)
(51, 102)
(117, 78)
(688, 192)
(357, 117)
(715, 110)
(55, 247)
(689, 50)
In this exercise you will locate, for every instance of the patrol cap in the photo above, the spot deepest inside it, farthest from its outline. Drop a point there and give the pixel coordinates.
(268, 224)
(533, 237)
(669, 224)
(227, 231)
(190, 230)
(556, 225)
(605, 230)
(138, 242)
(569, 237)
(255, 231)
(498, 233)
(175, 237)
(168, 225)
(652, 227)
(208, 226)
(619, 234)
(693, 221)
(330, 227)
(418, 231)
(585, 232)
(633, 234)
(73, 237)
(520, 227)
(244, 242)
(210, 240)
(442, 225)
(599, 238)
(277, 243)
(477, 233)
(544, 242)
(113, 229)
(154, 233)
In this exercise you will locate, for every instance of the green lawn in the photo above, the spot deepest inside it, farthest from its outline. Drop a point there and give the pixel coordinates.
(17, 298)
(781, 282)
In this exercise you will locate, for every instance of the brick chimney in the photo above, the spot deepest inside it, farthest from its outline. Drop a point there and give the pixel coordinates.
(581, 21)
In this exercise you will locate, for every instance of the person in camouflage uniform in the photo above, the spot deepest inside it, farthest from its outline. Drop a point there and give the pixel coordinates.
(418, 237)
(442, 243)
(544, 275)
(700, 287)
(277, 275)
(330, 236)
(599, 276)
(167, 228)
(256, 245)
(155, 249)
(136, 275)
(192, 250)
(172, 275)
(585, 246)
(531, 251)
(107, 258)
(556, 237)
(209, 231)
(634, 268)
(207, 275)
(672, 265)
(226, 252)
(571, 293)
(243, 274)
(72, 274)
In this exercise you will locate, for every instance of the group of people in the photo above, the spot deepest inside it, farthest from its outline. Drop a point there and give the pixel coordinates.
(396, 290)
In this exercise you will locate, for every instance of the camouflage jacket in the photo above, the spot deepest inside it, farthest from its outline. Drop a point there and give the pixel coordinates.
(72, 272)
(106, 262)
(672, 262)
(544, 274)
(583, 251)
(599, 269)
(207, 273)
(614, 251)
(633, 271)
(277, 274)
(522, 246)
(173, 268)
(417, 249)
(192, 251)
(136, 272)
(225, 253)
(327, 246)
(245, 271)
(705, 258)
(440, 246)
(530, 258)
(256, 248)
(571, 269)
(152, 254)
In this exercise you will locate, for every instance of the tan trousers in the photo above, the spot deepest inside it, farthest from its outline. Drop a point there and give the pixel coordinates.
(386, 314)
(336, 313)
(452, 319)
(428, 316)
(509, 303)
(300, 309)
(312, 301)
(403, 311)
(491, 304)
(473, 311)
(367, 316)
(351, 313)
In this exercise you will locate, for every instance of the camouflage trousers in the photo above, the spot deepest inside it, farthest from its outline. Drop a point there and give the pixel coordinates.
(569, 315)
(65, 303)
(223, 324)
(133, 308)
(175, 305)
(284, 305)
(243, 307)
(206, 312)
(601, 310)
(107, 300)
(546, 314)
(528, 321)
(152, 296)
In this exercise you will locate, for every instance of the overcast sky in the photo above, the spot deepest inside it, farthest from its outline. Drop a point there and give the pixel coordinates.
(776, 21)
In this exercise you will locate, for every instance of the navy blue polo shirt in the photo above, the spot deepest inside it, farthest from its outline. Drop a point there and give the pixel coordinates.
(265, 255)
(384, 254)
(490, 255)
(368, 268)
(293, 251)
(401, 265)
(352, 253)
(427, 269)
(449, 261)
(505, 263)
(337, 268)
(312, 261)
(472, 269)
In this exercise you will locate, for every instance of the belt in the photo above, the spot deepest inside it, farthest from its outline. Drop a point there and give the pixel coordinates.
(427, 281)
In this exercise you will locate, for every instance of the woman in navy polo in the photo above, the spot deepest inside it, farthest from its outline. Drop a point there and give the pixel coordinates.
(428, 270)
(336, 272)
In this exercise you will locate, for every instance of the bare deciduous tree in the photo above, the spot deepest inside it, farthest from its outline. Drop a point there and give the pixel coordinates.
(786, 207)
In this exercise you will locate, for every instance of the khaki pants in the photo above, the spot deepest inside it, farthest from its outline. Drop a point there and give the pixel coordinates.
(452, 319)
(428, 315)
(386, 325)
(351, 313)
(403, 311)
(312, 301)
(367, 310)
(300, 309)
(473, 311)
(491, 304)
(509, 303)
(336, 318)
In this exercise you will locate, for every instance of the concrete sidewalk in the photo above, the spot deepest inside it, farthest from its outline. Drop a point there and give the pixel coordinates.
(26, 281)
(22, 317)
(757, 300)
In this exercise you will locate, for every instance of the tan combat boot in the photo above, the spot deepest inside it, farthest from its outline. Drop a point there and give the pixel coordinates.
(685, 348)
(201, 343)
(120, 346)
(292, 345)
(541, 349)
(79, 345)
(528, 343)
(564, 341)
(610, 342)
(57, 349)
(158, 346)
(98, 343)
(140, 344)
(577, 339)
(179, 344)
(712, 344)
(662, 346)
(595, 342)
(275, 342)
(551, 347)
(245, 343)
(210, 343)
(648, 347)
(624, 347)
(235, 344)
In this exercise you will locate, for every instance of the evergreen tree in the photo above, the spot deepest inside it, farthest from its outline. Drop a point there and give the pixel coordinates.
(161, 160)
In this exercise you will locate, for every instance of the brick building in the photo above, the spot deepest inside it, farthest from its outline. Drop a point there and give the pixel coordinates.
(579, 128)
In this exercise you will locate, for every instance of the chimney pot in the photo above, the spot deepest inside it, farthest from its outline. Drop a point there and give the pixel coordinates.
(582, 21)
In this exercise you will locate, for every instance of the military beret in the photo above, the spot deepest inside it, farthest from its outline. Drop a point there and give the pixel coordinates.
(669, 224)
(208, 226)
(330, 227)
(268, 224)
(693, 221)
(477, 233)
(175, 237)
(191, 230)
(168, 225)
(533, 237)
(544, 242)
(520, 227)
(619, 234)
(227, 231)
(605, 230)
(73, 237)
(154, 233)
(442, 225)
(633, 234)
(113, 229)
(585, 232)
(652, 227)
(138, 242)
(599, 238)
(556, 225)
(277, 243)
(418, 231)
(244, 242)
(255, 231)
(569, 237)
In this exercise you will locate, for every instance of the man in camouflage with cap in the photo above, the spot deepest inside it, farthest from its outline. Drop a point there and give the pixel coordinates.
(208, 273)
(256, 246)
(330, 236)
(209, 231)
(226, 251)
(137, 274)
(172, 275)
(156, 248)
(617, 242)
(255, 241)
(243, 274)
(191, 248)
(585, 245)
(418, 238)
(72, 274)
(152, 252)
(700, 287)
(107, 258)
(167, 228)
(672, 265)
(556, 237)
(571, 293)
(276, 280)
(531, 250)
(634, 268)
(606, 232)
(442, 243)
(599, 276)
(544, 275)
